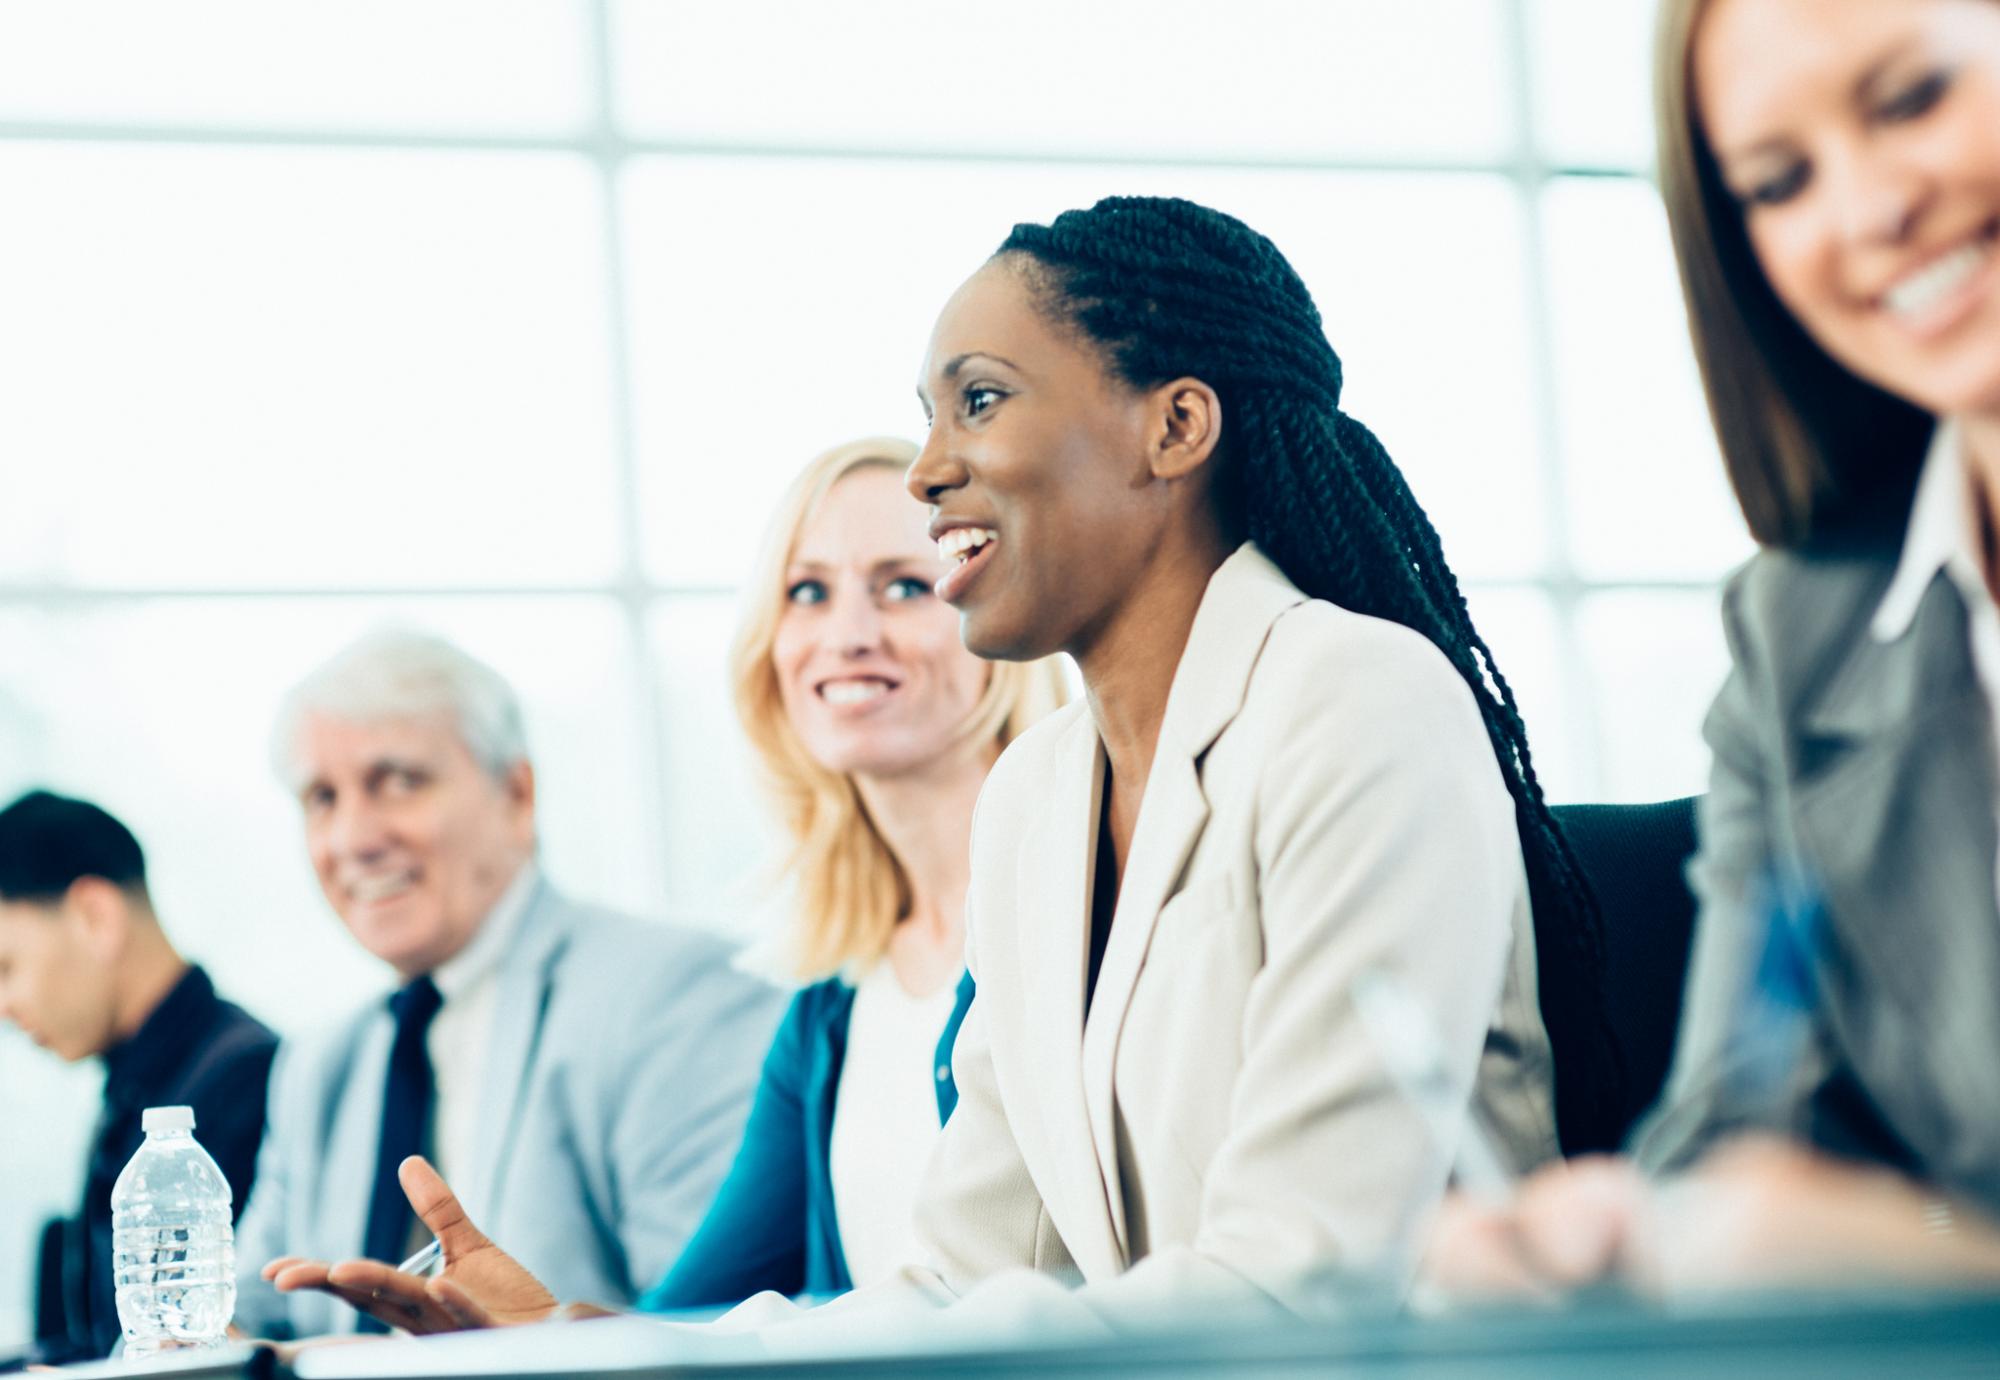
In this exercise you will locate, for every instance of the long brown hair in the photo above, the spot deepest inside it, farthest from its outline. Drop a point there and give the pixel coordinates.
(1808, 445)
(848, 889)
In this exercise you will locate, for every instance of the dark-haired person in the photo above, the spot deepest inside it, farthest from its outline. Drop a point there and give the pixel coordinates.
(1137, 456)
(87, 971)
(1832, 177)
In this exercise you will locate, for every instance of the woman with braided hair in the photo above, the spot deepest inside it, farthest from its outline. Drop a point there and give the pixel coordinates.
(1296, 771)
(1168, 289)
(1297, 775)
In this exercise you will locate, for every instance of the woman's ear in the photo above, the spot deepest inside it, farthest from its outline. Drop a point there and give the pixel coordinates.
(1187, 417)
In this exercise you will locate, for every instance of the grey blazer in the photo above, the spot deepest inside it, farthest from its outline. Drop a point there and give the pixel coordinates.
(623, 1059)
(1858, 775)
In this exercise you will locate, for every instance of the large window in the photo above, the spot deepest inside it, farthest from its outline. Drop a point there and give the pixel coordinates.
(510, 320)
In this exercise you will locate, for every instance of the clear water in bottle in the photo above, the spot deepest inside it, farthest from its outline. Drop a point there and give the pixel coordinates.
(173, 1252)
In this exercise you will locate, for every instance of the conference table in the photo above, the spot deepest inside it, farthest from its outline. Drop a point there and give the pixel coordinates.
(1827, 1336)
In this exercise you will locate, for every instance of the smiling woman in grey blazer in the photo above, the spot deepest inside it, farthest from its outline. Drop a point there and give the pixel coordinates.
(1832, 174)
(1297, 769)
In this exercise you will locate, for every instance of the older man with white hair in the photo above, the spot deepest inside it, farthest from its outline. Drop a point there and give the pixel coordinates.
(582, 1077)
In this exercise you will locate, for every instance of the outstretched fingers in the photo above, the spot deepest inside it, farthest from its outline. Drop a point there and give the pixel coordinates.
(292, 1272)
(384, 1292)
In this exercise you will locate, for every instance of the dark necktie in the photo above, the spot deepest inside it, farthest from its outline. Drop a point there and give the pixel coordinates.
(406, 1109)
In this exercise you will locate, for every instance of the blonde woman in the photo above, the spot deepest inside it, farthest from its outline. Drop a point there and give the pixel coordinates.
(875, 728)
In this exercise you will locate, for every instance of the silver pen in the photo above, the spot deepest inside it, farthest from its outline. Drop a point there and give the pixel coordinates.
(425, 1261)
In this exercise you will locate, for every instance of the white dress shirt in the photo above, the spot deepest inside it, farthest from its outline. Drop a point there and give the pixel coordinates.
(885, 1121)
(1944, 536)
(469, 982)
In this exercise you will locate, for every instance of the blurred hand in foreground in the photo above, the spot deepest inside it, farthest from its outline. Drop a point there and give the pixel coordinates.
(480, 1285)
(1758, 1213)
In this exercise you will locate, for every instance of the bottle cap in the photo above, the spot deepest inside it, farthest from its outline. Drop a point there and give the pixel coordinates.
(167, 1119)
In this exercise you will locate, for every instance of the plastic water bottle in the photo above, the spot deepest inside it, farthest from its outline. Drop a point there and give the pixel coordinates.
(173, 1252)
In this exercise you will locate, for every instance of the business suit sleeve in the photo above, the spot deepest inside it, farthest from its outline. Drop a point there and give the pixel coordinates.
(260, 1232)
(679, 1108)
(753, 1236)
(1713, 1090)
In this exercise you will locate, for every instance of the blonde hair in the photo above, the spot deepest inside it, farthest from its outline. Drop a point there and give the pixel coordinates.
(1808, 445)
(850, 891)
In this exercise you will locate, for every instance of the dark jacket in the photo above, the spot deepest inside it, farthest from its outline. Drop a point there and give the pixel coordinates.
(772, 1225)
(194, 1050)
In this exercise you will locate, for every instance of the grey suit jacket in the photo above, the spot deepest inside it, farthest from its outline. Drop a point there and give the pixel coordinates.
(623, 1059)
(1857, 775)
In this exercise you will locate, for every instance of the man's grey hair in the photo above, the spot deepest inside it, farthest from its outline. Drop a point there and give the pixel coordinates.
(396, 673)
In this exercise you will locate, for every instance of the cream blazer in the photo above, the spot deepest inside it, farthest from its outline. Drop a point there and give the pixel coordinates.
(1324, 801)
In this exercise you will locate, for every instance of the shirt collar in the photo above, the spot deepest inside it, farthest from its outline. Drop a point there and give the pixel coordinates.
(459, 973)
(135, 1067)
(1940, 538)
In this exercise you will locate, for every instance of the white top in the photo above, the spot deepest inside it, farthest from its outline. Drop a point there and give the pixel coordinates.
(1944, 536)
(885, 1120)
(469, 982)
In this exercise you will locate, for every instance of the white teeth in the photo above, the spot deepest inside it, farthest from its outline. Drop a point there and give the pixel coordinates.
(1931, 284)
(840, 692)
(370, 890)
(960, 542)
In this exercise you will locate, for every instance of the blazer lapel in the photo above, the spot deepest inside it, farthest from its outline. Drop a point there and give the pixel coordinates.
(1052, 889)
(1171, 817)
(1895, 756)
(527, 976)
(1244, 598)
(1895, 815)
(353, 1139)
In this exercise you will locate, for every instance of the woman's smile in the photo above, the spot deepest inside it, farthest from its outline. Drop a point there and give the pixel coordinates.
(856, 694)
(1944, 290)
(966, 551)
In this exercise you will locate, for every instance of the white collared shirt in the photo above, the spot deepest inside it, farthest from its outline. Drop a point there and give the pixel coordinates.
(469, 982)
(885, 1121)
(1944, 536)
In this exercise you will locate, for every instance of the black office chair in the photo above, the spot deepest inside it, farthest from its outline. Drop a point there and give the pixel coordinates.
(1635, 857)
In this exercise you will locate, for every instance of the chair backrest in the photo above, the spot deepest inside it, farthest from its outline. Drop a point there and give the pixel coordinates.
(1635, 857)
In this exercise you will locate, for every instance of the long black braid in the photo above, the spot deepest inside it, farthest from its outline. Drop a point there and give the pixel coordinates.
(1168, 289)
